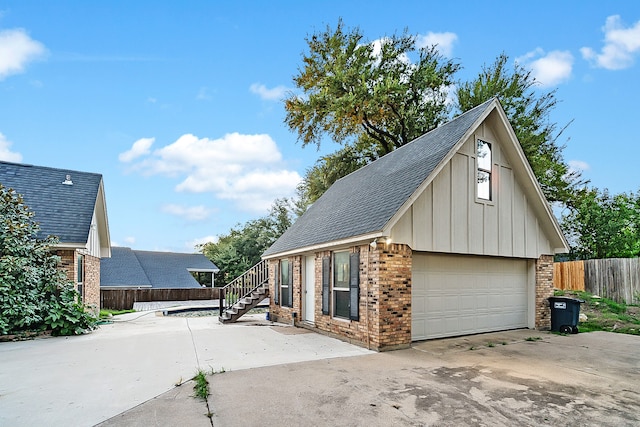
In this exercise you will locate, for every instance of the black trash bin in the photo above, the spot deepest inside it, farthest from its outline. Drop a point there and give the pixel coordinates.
(565, 314)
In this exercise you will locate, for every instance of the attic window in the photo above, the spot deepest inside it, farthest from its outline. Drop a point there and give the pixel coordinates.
(484, 170)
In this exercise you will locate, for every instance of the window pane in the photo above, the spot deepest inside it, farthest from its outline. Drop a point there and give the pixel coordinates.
(80, 269)
(484, 185)
(341, 304)
(285, 296)
(284, 272)
(484, 156)
(341, 270)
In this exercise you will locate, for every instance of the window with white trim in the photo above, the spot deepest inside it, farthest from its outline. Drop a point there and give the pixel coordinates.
(484, 163)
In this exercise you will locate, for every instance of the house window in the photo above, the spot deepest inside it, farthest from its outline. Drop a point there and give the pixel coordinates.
(341, 284)
(285, 283)
(80, 277)
(484, 170)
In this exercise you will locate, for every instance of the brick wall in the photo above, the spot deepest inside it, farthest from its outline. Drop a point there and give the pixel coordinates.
(92, 282)
(544, 289)
(385, 298)
(91, 285)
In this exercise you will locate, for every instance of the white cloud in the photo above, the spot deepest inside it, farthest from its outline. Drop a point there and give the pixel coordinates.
(578, 166)
(203, 94)
(191, 213)
(243, 168)
(5, 151)
(443, 41)
(274, 94)
(139, 148)
(16, 50)
(549, 69)
(201, 241)
(130, 240)
(620, 45)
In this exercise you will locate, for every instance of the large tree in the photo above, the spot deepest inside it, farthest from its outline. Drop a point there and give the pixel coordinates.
(528, 110)
(602, 225)
(34, 294)
(368, 94)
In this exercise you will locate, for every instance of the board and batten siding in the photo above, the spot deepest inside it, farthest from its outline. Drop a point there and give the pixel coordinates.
(447, 217)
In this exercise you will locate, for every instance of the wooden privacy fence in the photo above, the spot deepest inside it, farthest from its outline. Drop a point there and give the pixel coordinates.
(614, 278)
(123, 299)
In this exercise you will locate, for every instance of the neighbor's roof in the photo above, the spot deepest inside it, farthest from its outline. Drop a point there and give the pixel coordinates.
(62, 210)
(364, 201)
(131, 268)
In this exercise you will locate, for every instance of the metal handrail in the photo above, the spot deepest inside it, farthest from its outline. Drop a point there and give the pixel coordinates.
(243, 285)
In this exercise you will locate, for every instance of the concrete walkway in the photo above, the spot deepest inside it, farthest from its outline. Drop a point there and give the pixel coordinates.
(84, 380)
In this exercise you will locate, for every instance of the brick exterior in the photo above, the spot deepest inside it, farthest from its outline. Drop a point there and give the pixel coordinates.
(91, 285)
(385, 298)
(544, 289)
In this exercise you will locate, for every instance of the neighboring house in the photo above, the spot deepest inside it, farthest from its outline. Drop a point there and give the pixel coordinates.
(132, 269)
(70, 205)
(447, 235)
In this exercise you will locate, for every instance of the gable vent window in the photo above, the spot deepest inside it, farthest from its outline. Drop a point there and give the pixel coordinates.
(484, 170)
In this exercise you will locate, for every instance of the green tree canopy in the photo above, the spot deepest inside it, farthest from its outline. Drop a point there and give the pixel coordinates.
(34, 294)
(240, 249)
(528, 111)
(368, 93)
(602, 225)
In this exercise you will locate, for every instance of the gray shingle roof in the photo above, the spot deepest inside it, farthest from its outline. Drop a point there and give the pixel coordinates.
(122, 269)
(364, 201)
(62, 210)
(161, 270)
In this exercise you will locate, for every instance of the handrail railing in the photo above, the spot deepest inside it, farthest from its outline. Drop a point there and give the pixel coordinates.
(243, 285)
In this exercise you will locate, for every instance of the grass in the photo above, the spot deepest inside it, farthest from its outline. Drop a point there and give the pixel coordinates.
(107, 312)
(604, 314)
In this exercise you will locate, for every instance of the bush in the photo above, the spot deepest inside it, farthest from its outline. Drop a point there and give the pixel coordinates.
(34, 294)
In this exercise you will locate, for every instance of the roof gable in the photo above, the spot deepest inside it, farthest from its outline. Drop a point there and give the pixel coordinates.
(366, 200)
(62, 209)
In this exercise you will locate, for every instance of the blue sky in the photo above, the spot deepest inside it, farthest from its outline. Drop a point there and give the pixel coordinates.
(178, 104)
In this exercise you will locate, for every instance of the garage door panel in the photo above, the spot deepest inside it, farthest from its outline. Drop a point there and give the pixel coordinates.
(457, 295)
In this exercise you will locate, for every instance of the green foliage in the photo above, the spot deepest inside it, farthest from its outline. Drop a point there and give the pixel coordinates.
(202, 385)
(240, 249)
(34, 294)
(602, 225)
(369, 92)
(528, 112)
(372, 97)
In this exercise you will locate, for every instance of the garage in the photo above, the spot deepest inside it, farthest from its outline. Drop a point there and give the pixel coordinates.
(455, 295)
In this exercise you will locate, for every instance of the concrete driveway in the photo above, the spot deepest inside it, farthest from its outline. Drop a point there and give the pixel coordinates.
(125, 375)
(84, 380)
(523, 377)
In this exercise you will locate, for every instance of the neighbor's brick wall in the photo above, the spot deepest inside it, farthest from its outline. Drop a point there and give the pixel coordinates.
(69, 264)
(544, 289)
(92, 282)
(384, 304)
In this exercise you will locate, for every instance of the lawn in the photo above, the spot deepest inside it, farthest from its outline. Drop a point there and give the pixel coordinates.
(604, 314)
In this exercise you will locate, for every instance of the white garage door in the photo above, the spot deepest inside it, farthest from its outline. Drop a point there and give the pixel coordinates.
(460, 295)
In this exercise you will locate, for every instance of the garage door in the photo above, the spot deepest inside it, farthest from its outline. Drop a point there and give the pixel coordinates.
(460, 295)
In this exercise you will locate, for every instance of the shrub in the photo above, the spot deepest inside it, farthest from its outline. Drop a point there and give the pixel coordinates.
(34, 294)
